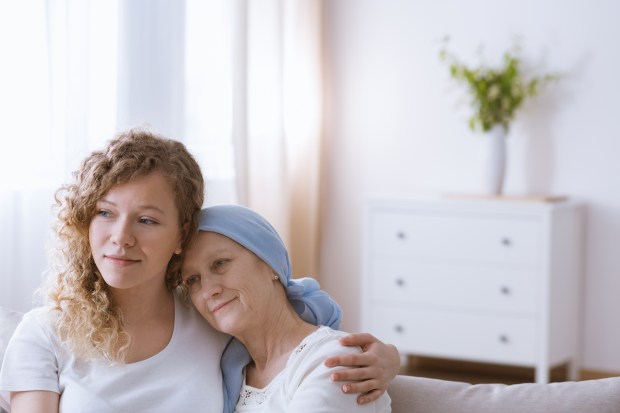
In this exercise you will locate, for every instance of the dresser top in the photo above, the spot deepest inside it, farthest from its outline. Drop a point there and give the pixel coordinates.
(514, 203)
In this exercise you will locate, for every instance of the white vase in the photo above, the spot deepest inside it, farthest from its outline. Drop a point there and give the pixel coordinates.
(495, 160)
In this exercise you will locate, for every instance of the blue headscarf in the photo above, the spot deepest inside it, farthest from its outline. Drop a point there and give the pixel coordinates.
(253, 232)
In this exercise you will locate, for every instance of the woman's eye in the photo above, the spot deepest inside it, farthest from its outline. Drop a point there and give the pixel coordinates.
(104, 213)
(192, 280)
(219, 263)
(147, 221)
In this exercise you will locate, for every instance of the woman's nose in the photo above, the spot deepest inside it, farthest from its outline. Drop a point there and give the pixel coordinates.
(122, 234)
(210, 289)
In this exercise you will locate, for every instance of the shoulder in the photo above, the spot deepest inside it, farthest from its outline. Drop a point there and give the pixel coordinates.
(191, 327)
(311, 353)
(35, 334)
(8, 322)
(38, 321)
(307, 379)
(324, 342)
(32, 357)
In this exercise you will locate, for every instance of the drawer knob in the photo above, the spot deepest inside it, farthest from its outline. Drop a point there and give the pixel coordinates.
(506, 242)
(503, 339)
(399, 329)
(401, 235)
(400, 282)
(505, 290)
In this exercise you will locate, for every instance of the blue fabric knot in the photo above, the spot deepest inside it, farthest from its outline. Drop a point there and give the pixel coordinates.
(313, 304)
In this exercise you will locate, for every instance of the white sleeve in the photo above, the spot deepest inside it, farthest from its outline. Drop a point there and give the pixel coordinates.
(30, 361)
(311, 391)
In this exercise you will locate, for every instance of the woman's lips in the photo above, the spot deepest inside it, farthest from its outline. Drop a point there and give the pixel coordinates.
(221, 305)
(120, 261)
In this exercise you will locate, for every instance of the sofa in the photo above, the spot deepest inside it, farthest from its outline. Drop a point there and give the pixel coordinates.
(8, 321)
(423, 395)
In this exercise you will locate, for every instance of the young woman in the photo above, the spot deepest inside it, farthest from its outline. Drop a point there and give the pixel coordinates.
(238, 275)
(114, 336)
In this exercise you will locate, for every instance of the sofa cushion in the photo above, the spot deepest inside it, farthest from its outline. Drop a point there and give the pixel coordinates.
(8, 321)
(422, 395)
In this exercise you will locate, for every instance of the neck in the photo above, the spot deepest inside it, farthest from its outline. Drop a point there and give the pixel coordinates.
(141, 304)
(148, 318)
(271, 343)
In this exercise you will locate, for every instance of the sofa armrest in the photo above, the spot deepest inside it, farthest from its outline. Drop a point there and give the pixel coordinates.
(423, 395)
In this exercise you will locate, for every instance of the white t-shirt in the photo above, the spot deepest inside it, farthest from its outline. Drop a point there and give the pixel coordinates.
(184, 377)
(304, 385)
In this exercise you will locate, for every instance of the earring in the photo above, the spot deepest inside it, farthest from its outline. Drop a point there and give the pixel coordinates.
(276, 277)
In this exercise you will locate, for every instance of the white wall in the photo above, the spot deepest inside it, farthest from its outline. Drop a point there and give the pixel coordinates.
(394, 127)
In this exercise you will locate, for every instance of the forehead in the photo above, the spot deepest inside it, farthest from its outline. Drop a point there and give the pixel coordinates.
(208, 243)
(211, 245)
(151, 179)
(153, 187)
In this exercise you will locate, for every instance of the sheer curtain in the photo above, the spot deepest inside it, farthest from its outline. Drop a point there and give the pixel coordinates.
(21, 164)
(280, 175)
(56, 73)
(237, 81)
(174, 75)
(73, 74)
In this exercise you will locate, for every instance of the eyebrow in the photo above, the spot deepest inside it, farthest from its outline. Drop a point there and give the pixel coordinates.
(153, 207)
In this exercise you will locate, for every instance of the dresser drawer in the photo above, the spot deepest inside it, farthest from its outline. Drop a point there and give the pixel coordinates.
(470, 288)
(470, 336)
(457, 237)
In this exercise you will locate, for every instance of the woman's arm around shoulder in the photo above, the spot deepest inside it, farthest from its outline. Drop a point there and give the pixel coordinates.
(371, 371)
(309, 385)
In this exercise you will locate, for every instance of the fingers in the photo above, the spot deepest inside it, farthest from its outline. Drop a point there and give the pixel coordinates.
(369, 373)
(356, 374)
(362, 387)
(358, 339)
(370, 396)
(351, 360)
(369, 389)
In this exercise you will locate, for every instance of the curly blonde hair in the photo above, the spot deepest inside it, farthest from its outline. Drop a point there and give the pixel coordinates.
(88, 320)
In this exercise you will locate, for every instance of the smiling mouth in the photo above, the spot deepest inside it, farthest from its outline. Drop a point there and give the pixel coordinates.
(222, 305)
(120, 261)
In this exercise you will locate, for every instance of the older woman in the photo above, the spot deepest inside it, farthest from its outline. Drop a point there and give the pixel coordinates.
(238, 275)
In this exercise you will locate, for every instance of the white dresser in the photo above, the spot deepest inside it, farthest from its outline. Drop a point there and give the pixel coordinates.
(479, 280)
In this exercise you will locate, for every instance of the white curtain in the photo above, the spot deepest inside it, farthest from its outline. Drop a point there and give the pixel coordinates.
(55, 75)
(283, 90)
(76, 72)
(238, 81)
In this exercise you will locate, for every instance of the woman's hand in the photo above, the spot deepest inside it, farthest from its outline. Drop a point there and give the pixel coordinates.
(371, 371)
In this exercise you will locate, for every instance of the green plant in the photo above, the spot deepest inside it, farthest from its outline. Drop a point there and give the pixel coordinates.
(496, 93)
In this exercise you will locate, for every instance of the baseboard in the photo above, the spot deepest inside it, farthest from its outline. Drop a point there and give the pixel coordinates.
(587, 374)
(484, 373)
